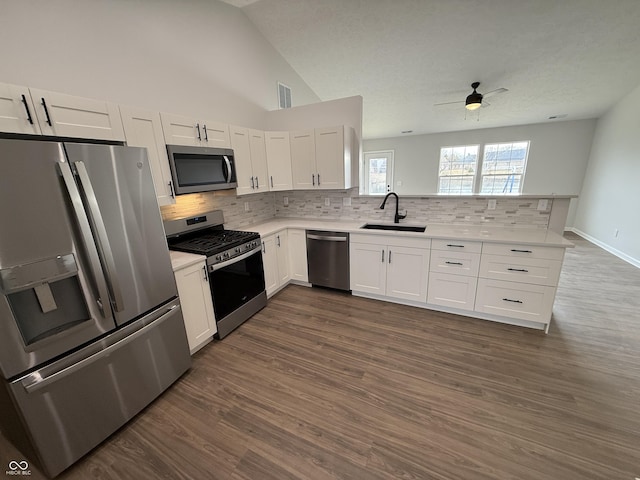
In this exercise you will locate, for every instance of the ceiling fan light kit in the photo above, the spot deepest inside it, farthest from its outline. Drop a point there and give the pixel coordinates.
(474, 100)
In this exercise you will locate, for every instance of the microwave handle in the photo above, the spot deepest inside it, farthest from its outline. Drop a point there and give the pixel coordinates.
(228, 163)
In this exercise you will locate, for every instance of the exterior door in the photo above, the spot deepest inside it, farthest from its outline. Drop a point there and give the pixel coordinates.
(378, 173)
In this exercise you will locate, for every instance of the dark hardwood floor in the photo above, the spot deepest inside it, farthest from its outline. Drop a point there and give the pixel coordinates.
(323, 385)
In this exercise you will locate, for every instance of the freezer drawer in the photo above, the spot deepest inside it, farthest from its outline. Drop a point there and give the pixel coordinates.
(66, 412)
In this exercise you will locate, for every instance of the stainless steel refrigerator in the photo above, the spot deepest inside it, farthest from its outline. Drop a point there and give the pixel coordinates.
(91, 329)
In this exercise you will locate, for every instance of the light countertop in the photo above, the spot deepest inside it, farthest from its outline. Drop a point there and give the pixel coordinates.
(529, 236)
(181, 260)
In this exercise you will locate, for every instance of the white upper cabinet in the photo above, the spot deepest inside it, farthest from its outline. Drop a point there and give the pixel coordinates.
(250, 158)
(181, 130)
(143, 128)
(303, 159)
(70, 116)
(17, 112)
(325, 158)
(259, 160)
(333, 158)
(278, 160)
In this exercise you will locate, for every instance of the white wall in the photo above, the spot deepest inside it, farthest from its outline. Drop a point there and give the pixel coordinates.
(201, 58)
(558, 156)
(611, 191)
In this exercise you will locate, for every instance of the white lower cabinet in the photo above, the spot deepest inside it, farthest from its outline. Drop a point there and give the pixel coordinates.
(275, 258)
(384, 266)
(523, 301)
(197, 305)
(455, 291)
(297, 240)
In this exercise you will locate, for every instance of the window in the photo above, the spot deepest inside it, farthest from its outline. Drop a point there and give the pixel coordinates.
(458, 167)
(502, 168)
(378, 172)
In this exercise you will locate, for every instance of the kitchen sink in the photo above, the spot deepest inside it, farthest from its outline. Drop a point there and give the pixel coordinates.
(397, 228)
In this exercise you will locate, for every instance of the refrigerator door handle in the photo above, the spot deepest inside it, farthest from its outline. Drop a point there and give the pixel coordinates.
(42, 382)
(101, 231)
(102, 295)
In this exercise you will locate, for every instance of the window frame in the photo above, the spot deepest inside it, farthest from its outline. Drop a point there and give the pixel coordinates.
(479, 172)
(475, 175)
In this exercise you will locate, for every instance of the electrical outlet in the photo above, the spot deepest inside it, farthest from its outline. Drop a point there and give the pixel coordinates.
(286, 201)
(346, 201)
(492, 204)
(327, 202)
(543, 204)
(246, 206)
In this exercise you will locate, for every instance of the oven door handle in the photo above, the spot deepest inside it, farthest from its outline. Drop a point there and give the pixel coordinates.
(218, 266)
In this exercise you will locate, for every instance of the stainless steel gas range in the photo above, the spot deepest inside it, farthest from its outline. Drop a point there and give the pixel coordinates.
(234, 265)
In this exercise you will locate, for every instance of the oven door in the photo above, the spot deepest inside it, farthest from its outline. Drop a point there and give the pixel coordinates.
(235, 284)
(201, 169)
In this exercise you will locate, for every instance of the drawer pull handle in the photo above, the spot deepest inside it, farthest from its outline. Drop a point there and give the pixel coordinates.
(453, 263)
(454, 245)
(514, 301)
(518, 270)
(521, 251)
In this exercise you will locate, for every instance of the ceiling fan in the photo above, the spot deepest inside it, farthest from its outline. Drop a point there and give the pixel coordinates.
(475, 99)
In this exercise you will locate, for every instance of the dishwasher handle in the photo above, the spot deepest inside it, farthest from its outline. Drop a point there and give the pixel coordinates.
(327, 238)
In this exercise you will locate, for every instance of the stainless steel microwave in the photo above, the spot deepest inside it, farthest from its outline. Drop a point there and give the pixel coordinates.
(201, 169)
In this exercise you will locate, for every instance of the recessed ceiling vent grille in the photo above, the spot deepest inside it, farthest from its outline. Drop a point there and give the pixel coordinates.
(284, 96)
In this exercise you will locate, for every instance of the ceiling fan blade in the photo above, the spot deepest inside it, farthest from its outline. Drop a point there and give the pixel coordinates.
(447, 103)
(497, 91)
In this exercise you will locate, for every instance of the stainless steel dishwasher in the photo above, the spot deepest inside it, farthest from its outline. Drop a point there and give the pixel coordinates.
(328, 259)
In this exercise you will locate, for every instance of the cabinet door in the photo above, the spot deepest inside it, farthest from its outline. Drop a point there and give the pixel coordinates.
(197, 306)
(303, 160)
(215, 134)
(282, 249)
(179, 130)
(242, 155)
(259, 160)
(17, 113)
(69, 116)
(143, 128)
(278, 160)
(270, 262)
(330, 157)
(407, 273)
(456, 291)
(368, 268)
(298, 255)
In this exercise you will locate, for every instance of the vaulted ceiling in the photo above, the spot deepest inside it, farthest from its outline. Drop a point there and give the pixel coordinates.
(570, 57)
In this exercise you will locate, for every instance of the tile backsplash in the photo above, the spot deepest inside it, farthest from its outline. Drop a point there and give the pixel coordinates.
(261, 207)
(509, 211)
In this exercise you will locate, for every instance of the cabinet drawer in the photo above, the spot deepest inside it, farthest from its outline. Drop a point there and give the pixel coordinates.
(454, 262)
(533, 303)
(526, 270)
(456, 245)
(523, 251)
(456, 291)
(397, 241)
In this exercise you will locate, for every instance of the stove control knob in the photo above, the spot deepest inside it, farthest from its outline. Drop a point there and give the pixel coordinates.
(218, 257)
(226, 254)
(237, 250)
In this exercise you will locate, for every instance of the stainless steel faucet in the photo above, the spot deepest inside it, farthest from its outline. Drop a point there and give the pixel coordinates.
(397, 217)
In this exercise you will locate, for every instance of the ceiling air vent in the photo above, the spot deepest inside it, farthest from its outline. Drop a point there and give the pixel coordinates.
(284, 96)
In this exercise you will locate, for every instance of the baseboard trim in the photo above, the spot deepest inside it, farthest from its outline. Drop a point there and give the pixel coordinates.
(614, 251)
